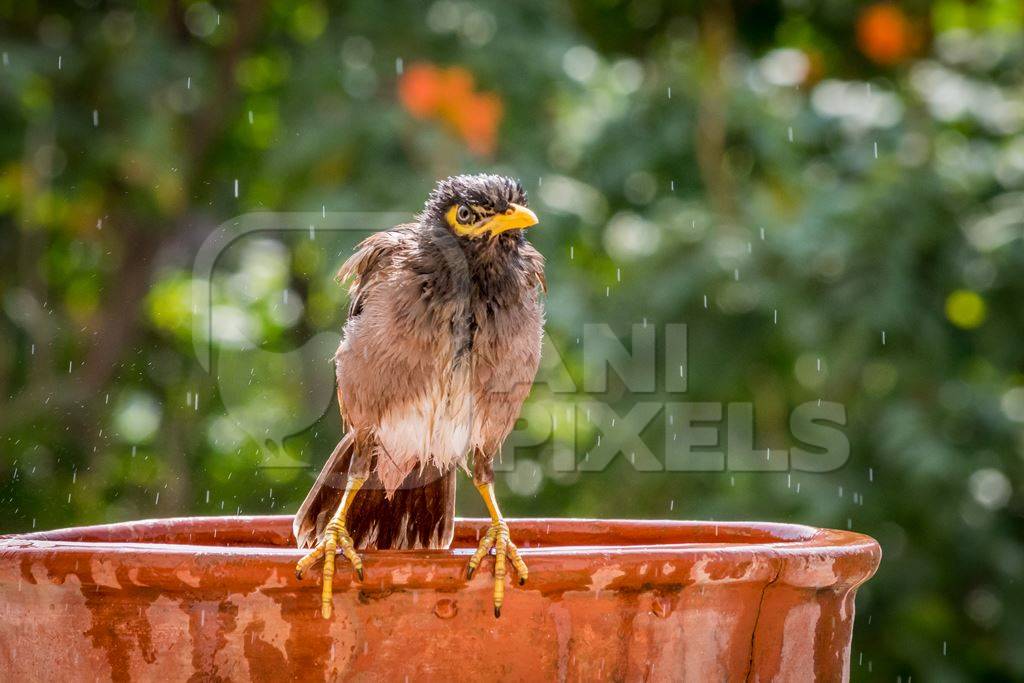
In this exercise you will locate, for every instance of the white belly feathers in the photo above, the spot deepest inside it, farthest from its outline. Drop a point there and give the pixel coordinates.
(435, 429)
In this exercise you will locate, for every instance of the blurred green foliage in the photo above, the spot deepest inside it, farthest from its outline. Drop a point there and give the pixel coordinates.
(830, 195)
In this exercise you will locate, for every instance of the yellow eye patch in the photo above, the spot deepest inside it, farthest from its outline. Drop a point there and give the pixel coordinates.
(467, 230)
(516, 217)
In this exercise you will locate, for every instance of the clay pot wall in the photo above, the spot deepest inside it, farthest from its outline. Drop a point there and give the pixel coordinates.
(216, 599)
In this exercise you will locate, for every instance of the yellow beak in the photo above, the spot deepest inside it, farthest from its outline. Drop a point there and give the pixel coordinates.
(514, 218)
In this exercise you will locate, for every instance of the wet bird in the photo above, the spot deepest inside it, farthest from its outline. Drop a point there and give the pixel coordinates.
(439, 350)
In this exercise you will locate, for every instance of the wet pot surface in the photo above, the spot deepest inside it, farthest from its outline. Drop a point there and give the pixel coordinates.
(216, 598)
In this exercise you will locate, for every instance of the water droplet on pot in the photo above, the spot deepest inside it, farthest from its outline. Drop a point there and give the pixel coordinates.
(446, 608)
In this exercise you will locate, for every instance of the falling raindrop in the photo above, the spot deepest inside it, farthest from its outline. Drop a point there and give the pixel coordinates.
(60, 62)
(789, 132)
(95, 118)
(250, 117)
(398, 65)
(876, 149)
(670, 92)
(883, 337)
(236, 188)
(188, 83)
(572, 252)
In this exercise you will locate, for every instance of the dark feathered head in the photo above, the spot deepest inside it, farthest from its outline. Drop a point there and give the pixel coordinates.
(473, 206)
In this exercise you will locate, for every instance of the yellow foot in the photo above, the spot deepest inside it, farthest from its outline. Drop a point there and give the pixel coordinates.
(335, 535)
(504, 549)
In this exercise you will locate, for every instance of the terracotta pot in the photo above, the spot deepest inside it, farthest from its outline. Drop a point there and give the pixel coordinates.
(216, 598)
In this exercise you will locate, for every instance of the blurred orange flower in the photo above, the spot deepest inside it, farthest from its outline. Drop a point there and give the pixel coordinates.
(886, 35)
(447, 95)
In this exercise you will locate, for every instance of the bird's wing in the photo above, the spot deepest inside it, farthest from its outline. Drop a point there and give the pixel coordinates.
(370, 257)
(367, 268)
(389, 351)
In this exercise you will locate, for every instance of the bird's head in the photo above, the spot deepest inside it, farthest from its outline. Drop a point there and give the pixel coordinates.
(477, 206)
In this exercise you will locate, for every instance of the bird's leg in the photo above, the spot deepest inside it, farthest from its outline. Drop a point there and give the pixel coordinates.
(335, 535)
(497, 536)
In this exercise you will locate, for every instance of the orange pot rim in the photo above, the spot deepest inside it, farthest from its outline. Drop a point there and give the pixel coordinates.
(256, 552)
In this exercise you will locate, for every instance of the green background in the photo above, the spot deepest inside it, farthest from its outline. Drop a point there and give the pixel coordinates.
(880, 150)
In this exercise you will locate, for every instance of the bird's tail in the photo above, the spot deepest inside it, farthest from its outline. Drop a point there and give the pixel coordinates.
(420, 513)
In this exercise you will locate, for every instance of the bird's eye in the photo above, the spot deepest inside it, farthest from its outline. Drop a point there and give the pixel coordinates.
(464, 215)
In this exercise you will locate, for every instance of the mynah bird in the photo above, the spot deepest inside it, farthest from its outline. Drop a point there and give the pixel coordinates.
(440, 348)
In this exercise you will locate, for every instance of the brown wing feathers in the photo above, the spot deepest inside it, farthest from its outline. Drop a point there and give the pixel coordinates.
(420, 514)
(323, 499)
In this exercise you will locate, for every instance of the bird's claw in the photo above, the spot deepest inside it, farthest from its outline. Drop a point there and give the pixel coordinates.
(335, 536)
(505, 550)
